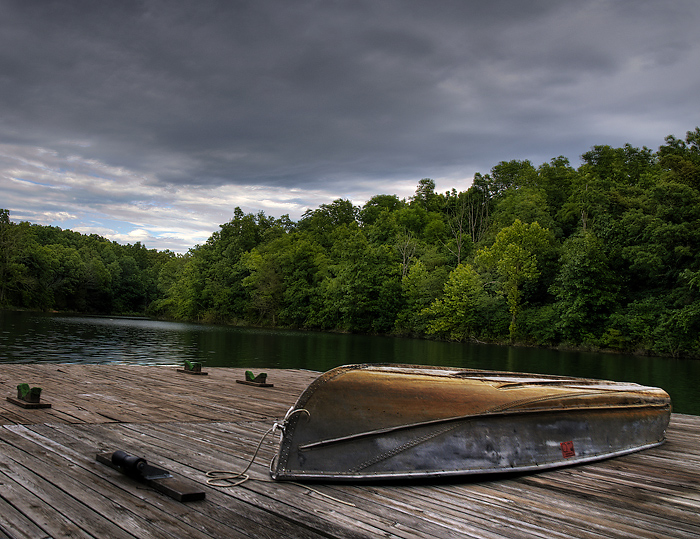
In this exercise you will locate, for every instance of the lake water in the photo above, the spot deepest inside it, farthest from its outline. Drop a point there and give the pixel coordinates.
(42, 338)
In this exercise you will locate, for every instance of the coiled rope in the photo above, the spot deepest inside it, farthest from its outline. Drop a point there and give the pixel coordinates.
(227, 479)
(221, 478)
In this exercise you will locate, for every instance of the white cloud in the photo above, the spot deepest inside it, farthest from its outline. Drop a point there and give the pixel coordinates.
(128, 129)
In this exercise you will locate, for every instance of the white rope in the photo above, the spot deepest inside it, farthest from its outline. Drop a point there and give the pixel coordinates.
(221, 478)
(226, 479)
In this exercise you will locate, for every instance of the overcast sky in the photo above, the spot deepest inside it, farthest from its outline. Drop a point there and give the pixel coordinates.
(152, 120)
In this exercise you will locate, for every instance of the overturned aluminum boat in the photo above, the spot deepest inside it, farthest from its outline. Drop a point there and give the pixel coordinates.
(383, 421)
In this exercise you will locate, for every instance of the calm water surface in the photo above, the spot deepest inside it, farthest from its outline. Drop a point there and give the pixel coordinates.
(40, 338)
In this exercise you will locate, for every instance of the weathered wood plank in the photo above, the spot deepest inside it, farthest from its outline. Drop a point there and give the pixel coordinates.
(250, 515)
(117, 393)
(284, 498)
(13, 522)
(43, 500)
(143, 506)
(51, 486)
(95, 505)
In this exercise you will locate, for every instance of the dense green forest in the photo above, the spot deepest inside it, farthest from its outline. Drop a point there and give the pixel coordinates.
(603, 256)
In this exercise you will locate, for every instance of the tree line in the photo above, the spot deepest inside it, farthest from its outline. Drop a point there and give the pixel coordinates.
(47, 268)
(603, 256)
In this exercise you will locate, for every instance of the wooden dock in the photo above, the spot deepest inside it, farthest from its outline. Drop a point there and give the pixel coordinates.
(52, 486)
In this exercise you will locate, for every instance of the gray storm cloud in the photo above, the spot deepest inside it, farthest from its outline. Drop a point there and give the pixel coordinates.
(337, 99)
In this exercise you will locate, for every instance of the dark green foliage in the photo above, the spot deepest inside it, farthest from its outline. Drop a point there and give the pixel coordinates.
(47, 268)
(585, 287)
(682, 158)
(605, 256)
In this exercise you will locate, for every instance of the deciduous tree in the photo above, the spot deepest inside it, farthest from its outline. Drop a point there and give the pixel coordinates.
(514, 258)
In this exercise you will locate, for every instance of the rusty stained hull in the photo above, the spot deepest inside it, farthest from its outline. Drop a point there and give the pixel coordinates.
(368, 422)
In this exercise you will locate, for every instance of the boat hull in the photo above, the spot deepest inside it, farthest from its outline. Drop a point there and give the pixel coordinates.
(369, 422)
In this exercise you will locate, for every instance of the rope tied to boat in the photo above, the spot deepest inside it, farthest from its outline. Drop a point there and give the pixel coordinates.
(226, 479)
(222, 478)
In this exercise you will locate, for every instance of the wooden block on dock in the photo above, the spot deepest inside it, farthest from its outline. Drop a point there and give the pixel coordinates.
(178, 489)
(199, 373)
(25, 404)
